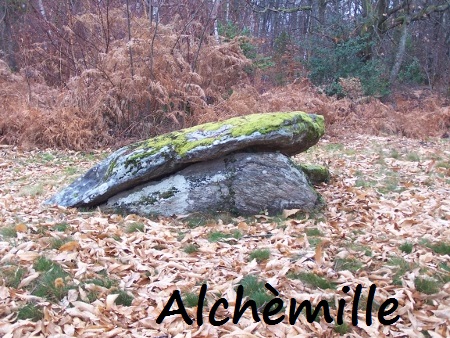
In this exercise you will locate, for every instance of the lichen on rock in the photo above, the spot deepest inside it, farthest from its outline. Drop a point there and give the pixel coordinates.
(289, 133)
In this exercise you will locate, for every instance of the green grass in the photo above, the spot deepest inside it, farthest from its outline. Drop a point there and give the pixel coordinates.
(31, 312)
(217, 236)
(413, 157)
(103, 282)
(8, 232)
(391, 183)
(401, 267)
(443, 164)
(12, 275)
(46, 285)
(407, 247)
(360, 248)
(440, 248)
(334, 147)
(313, 280)
(313, 232)
(201, 219)
(33, 190)
(198, 219)
(444, 267)
(313, 241)
(394, 154)
(255, 290)
(260, 255)
(56, 243)
(61, 227)
(426, 286)
(349, 264)
(190, 248)
(135, 227)
(190, 299)
(124, 298)
(47, 157)
(341, 329)
(363, 183)
(71, 170)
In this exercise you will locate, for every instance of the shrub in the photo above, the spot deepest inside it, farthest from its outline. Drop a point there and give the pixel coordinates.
(330, 63)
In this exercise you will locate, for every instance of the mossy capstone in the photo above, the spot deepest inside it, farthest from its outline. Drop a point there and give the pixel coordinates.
(289, 133)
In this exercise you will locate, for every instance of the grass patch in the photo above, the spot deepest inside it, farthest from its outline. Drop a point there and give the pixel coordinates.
(33, 190)
(362, 183)
(426, 286)
(443, 164)
(313, 232)
(334, 147)
(391, 183)
(198, 219)
(401, 266)
(190, 299)
(217, 236)
(47, 157)
(413, 157)
(61, 227)
(407, 247)
(103, 282)
(440, 248)
(135, 227)
(349, 264)
(260, 255)
(71, 170)
(255, 290)
(190, 248)
(124, 298)
(56, 243)
(12, 275)
(444, 267)
(52, 283)
(8, 232)
(31, 312)
(341, 329)
(313, 280)
(394, 154)
(360, 248)
(313, 241)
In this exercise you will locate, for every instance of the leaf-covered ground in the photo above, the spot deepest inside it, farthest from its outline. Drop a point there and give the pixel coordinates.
(67, 272)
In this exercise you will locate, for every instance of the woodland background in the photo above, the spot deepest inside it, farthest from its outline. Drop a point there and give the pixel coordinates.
(81, 74)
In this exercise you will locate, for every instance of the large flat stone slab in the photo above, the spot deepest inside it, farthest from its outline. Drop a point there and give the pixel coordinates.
(243, 184)
(290, 133)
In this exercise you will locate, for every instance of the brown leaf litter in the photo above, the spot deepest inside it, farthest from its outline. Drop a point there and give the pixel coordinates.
(384, 192)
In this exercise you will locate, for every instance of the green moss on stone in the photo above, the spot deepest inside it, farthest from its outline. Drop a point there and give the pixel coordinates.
(316, 173)
(111, 167)
(187, 139)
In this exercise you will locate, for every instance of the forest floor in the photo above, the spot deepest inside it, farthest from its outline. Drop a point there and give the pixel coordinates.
(67, 272)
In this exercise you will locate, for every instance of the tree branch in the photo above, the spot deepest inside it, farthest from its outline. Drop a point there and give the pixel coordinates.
(277, 10)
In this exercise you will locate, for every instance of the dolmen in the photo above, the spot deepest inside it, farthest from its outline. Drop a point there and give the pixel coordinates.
(240, 165)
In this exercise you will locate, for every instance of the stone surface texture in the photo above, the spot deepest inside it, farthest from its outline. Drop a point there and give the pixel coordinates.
(145, 161)
(242, 183)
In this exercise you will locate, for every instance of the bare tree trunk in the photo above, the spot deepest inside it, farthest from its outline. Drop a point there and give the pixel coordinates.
(214, 12)
(400, 53)
(129, 39)
(7, 41)
(202, 37)
(152, 44)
